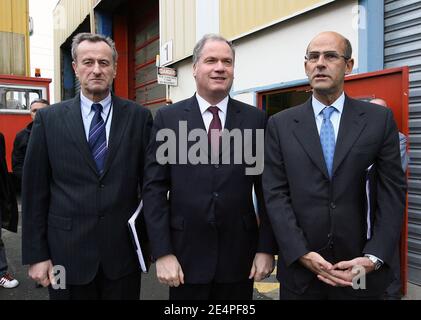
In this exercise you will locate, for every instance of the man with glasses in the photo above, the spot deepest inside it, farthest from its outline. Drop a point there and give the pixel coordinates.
(316, 160)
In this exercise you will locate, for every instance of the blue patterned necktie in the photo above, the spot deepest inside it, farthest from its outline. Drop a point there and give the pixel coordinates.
(97, 139)
(327, 138)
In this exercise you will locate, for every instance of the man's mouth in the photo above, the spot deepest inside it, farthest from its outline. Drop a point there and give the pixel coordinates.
(321, 76)
(218, 78)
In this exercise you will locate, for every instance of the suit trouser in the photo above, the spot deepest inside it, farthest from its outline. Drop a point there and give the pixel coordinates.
(101, 288)
(319, 290)
(393, 291)
(3, 260)
(213, 291)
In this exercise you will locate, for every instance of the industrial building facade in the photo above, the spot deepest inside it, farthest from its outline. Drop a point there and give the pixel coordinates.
(270, 38)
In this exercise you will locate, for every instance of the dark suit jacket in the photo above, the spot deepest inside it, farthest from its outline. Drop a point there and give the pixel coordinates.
(18, 154)
(208, 222)
(310, 212)
(8, 205)
(72, 215)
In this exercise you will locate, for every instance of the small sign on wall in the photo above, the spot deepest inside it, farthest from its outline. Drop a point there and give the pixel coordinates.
(167, 76)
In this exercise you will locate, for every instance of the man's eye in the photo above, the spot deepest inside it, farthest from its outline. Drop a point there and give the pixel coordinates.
(331, 55)
(313, 56)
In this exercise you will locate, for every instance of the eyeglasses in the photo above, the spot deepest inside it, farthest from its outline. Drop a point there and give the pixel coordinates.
(329, 56)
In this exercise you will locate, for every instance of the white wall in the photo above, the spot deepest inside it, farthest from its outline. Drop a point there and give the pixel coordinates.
(41, 42)
(186, 84)
(276, 55)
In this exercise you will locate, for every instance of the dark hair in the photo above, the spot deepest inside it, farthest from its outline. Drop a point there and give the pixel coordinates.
(92, 37)
(197, 51)
(43, 101)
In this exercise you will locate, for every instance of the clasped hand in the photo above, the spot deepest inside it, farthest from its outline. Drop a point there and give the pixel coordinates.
(341, 274)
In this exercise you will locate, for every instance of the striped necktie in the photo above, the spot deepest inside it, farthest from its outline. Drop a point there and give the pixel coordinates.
(97, 139)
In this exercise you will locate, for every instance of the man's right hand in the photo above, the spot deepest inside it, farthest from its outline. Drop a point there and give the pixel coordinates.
(324, 269)
(168, 271)
(42, 273)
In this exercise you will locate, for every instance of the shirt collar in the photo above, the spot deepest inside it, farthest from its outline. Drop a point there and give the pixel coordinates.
(204, 105)
(86, 104)
(318, 106)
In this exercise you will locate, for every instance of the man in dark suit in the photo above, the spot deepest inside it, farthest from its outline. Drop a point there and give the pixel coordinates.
(81, 180)
(316, 159)
(394, 290)
(200, 216)
(21, 142)
(8, 216)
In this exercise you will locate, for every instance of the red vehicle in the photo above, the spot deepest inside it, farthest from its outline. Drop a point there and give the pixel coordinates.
(16, 94)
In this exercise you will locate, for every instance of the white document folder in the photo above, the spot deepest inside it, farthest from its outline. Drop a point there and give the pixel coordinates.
(140, 238)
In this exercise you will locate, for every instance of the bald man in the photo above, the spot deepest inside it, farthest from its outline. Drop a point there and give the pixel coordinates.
(316, 160)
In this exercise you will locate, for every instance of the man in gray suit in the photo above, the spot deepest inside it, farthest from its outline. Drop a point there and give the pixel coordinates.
(81, 180)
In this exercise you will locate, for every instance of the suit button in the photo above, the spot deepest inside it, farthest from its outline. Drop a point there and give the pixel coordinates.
(332, 205)
(102, 186)
(215, 194)
(216, 166)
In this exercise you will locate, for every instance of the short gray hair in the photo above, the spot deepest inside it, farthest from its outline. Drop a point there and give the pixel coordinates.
(92, 37)
(197, 51)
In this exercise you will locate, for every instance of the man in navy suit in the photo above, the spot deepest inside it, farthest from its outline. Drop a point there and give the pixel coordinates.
(200, 216)
(81, 179)
(316, 160)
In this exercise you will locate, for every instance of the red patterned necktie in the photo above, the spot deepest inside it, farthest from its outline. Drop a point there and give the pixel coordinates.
(215, 127)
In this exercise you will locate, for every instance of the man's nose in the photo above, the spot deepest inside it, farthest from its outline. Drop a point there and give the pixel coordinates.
(219, 66)
(96, 68)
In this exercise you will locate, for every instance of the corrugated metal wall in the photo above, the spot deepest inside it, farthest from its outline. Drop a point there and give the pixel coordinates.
(403, 47)
(14, 37)
(178, 23)
(67, 16)
(239, 17)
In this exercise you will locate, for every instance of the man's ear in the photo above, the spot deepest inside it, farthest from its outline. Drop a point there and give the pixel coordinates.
(74, 68)
(349, 66)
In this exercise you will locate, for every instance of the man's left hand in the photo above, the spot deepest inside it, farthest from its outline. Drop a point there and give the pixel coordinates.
(348, 270)
(263, 265)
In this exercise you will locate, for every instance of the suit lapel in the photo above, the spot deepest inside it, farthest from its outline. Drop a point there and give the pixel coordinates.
(74, 123)
(351, 125)
(193, 116)
(308, 136)
(118, 126)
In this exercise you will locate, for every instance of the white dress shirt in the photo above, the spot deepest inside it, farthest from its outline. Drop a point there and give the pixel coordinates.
(88, 114)
(335, 117)
(207, 115)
